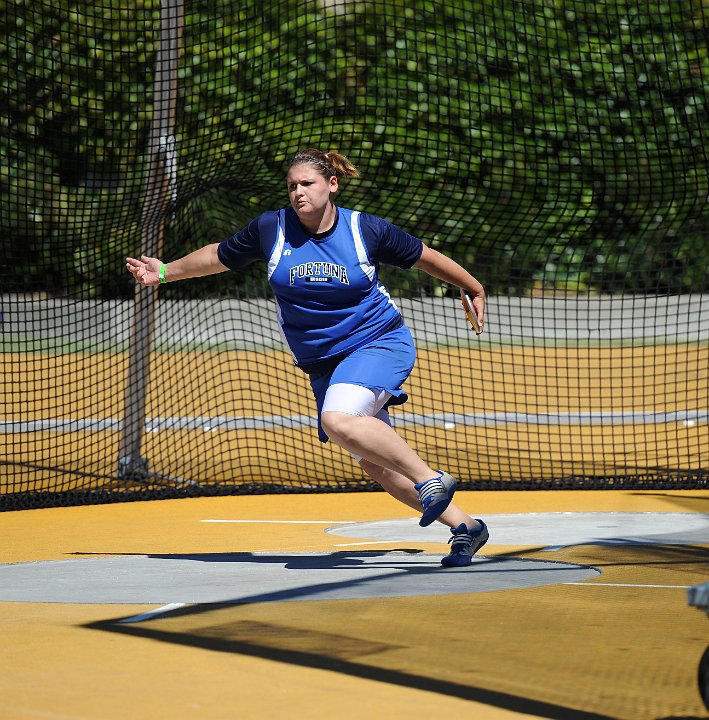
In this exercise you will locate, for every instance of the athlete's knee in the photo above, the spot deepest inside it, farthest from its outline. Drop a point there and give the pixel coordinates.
(339, 426)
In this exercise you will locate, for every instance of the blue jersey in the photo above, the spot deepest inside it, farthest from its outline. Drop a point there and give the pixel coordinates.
(329, 299)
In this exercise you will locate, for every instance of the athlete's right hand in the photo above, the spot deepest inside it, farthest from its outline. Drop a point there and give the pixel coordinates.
(145, 271)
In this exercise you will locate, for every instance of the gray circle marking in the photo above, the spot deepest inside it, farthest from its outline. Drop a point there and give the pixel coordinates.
(352, 574)
(267, 577)
(552, 529)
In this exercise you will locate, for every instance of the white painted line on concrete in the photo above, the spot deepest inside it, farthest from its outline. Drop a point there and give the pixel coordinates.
(153, 613)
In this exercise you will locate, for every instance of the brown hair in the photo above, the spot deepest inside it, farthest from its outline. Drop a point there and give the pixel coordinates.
(328, 163)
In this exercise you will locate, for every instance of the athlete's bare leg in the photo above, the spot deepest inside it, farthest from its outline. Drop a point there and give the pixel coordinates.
(402, 489)
(375, 441)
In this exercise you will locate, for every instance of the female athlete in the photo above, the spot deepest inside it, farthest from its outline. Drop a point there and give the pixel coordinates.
(342, 327)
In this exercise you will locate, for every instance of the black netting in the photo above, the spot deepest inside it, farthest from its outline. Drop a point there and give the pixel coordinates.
(557, 149)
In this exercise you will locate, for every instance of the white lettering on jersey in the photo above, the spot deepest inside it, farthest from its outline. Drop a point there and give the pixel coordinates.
(319, 272)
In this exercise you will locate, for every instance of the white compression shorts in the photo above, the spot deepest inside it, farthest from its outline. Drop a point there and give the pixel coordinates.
(357, 400)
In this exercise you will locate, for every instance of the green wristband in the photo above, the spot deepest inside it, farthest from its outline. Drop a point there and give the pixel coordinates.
(161, 274)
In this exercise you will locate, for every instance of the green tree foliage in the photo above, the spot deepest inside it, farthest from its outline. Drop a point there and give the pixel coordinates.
(74, 111)
(548, 144)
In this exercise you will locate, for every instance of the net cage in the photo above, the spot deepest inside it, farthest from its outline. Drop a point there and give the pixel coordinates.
(556, 148)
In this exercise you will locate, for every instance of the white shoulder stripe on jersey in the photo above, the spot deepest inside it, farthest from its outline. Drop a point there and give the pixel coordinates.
(272, 265)
(364, 262)
(277, 248)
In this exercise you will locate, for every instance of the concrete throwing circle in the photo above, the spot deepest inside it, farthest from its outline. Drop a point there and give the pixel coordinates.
(351, 574)
(552, 529)
(267, 577)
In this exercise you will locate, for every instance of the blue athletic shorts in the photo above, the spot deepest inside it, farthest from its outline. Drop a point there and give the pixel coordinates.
(383, 364)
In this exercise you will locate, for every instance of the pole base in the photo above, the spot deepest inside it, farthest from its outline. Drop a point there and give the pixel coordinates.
(133, 469)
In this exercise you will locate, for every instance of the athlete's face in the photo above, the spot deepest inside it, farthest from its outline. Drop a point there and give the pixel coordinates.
(310, 193)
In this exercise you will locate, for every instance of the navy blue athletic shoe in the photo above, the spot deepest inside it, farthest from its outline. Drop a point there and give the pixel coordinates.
(435, 496)
(464, 544)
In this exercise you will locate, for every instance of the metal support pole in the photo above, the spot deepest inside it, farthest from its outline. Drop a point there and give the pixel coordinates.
(160, 191)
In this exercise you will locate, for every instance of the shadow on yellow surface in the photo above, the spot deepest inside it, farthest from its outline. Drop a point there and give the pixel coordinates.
(626, 646)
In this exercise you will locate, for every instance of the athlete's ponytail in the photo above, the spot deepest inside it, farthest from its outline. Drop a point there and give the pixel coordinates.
(328, 163)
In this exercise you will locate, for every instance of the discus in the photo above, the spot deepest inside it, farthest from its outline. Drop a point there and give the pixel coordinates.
(470, 312)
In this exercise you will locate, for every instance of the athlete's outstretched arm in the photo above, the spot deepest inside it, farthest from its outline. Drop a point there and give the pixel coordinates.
(199, 263)
(444, 268)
